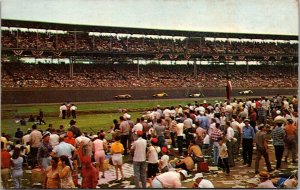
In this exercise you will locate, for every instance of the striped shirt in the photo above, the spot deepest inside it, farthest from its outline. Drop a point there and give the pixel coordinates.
(216, 135)
(278, 136)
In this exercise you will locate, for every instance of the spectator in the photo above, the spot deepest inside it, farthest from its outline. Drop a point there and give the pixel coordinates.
(124, 133)
(43, 154)
(248, 136)
(201, 183)
(35, 138)
(117, 150)
(261, 148)
(171, 179)
(65, 172)
(278, 135)
(54, 138)
(52, 180)
(139, 160)
(5, 166)
(73, 111)
(152, 154)
(17, 170)
(75, 130)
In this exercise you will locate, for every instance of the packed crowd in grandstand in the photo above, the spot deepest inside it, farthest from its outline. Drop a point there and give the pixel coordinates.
(17, 75)
(85, 42)
(176, 142)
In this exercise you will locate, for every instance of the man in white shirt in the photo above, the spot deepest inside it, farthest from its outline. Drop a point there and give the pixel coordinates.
(86, 142)
(139, 160)
(54, 138)
(179, 132)
(202, 183)
(63, 111)
(229, 143)
(137, 127)
(167, 113)
(73, 111)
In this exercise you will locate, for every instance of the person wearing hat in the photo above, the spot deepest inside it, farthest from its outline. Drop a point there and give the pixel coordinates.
(291, 139)
(138, 149)
(164, 160)
(265, 182)
(171, 179)
(261, 148)
(44, 150)
(247, 142)
(201, 183)
(152, 155)
(278, 135)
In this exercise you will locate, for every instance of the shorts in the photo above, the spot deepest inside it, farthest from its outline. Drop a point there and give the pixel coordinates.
(99, 154)
(117, 159)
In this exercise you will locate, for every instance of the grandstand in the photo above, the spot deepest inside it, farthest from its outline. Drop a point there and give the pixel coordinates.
(115, 54)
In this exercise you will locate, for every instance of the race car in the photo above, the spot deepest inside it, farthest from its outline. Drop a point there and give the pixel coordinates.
(246, 92)
(199, 95)
(123, 96)
(162, 94)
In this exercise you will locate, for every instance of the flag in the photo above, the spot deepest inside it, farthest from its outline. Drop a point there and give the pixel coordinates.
(228, 89)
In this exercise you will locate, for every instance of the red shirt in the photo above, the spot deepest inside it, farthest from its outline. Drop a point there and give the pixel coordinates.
(70, 141)
(89, 177)
(5, 159)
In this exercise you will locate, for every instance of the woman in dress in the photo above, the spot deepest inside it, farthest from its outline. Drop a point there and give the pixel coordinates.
(52, 177)
(65, 172)
(99, 147)
(17, 171)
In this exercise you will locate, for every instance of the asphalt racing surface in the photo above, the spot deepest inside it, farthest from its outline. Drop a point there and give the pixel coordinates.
(60, 95)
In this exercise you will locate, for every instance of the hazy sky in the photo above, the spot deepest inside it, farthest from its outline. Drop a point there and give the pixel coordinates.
(245, 16)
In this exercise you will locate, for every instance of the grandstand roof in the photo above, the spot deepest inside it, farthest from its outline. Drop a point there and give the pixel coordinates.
(128, 30)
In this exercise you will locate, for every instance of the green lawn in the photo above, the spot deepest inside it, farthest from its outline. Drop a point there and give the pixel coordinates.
(86, 120)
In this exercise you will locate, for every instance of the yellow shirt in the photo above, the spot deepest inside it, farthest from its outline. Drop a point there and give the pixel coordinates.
(116, 147)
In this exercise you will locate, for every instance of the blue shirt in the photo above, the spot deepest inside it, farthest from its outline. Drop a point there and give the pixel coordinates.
(248, 132)
(204, 123)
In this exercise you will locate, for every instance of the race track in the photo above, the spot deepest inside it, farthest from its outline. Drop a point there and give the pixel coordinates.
(60, 95)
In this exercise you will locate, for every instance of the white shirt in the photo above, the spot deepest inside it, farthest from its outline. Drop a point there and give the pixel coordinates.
(82, 138)
(63, 107)
(137, 127)
(167, 113)
(170, 179)
(179, 129)
(241, 126)
(201, 109)
(25, 139)
(139, 146)
(179, 110)
(153, 154)
(205, 184)
(164, 161)
(206, 139)
(229, 134)
(228, 108)
(173, 113)
(73, 108)
(54, 140)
